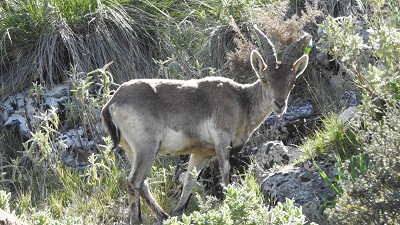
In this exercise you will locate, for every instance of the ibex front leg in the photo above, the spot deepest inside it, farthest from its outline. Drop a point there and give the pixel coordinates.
(222, 149)
(223, 162)
(197, 162)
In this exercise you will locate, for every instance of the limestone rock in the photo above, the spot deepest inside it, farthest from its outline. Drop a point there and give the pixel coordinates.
(22, 110)
(303, 184)
(299, 120)
(274, 153)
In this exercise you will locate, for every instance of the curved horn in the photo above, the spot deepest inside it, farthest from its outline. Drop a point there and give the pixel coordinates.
(267, 46)
(291, 53)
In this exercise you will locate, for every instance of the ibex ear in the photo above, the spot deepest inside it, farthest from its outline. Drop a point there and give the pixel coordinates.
(300, 65)
(257, 62)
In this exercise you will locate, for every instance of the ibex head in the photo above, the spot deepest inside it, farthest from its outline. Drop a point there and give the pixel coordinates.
(278, 77)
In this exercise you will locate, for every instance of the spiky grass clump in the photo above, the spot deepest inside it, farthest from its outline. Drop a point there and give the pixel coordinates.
(40, 40)
(206, 37)
(333, 138)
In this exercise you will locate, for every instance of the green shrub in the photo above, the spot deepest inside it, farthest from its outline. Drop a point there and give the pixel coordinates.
(5, 200)
(244, 204)
(375, 196)
(366, 44)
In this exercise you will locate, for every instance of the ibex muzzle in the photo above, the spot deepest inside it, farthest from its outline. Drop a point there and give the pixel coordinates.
(204, 118)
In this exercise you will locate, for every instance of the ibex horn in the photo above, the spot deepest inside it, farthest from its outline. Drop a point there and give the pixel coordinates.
(291, 53)
(267, 46)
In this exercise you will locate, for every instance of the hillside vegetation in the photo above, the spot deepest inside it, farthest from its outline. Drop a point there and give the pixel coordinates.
(92, 46)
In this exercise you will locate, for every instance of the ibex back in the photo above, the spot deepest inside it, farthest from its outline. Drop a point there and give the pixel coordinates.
(204, 118)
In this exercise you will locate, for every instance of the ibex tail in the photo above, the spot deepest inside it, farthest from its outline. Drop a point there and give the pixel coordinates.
(110, 125)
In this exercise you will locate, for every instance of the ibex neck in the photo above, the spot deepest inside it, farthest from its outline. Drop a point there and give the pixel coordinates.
(260, 105)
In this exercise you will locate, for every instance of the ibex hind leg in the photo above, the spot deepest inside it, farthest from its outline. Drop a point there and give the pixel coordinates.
(151, 202)
(142, 158)
(134, 200)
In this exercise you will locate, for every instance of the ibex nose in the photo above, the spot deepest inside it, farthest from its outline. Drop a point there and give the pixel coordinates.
(279, 104)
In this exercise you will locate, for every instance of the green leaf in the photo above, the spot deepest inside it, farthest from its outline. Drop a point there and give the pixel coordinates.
(308, 48)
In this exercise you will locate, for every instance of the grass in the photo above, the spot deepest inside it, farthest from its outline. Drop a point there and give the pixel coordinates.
(341, 141)
(334, 137)
(95, 196)
(40, 40)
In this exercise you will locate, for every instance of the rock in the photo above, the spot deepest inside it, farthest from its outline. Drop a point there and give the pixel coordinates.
(9, 219)
(350, 98)
(348, 114)
(322, 59)
(279, 178)
(75, 139)
(22, 110)
(299, 121)
(275, 153)
(303, 184)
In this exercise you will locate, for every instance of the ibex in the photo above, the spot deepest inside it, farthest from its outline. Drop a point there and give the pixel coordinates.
(204, 118)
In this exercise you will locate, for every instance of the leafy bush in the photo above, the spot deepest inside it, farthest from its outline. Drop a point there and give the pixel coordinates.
(243, 205)
(365, 44)
(374, 198)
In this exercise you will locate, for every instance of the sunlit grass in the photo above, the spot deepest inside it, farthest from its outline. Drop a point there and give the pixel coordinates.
(334, 137)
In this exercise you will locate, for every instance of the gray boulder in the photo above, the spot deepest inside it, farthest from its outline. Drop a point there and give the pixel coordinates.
(301, 183)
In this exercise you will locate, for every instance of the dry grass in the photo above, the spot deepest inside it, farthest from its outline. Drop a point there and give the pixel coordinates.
(112, 32)
(281, 29)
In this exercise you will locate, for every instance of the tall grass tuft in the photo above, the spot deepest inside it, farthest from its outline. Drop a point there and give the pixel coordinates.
(333, 138)
(40, 40)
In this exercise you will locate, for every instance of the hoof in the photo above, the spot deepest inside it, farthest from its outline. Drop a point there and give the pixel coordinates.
(162, 216)
(178, 212)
